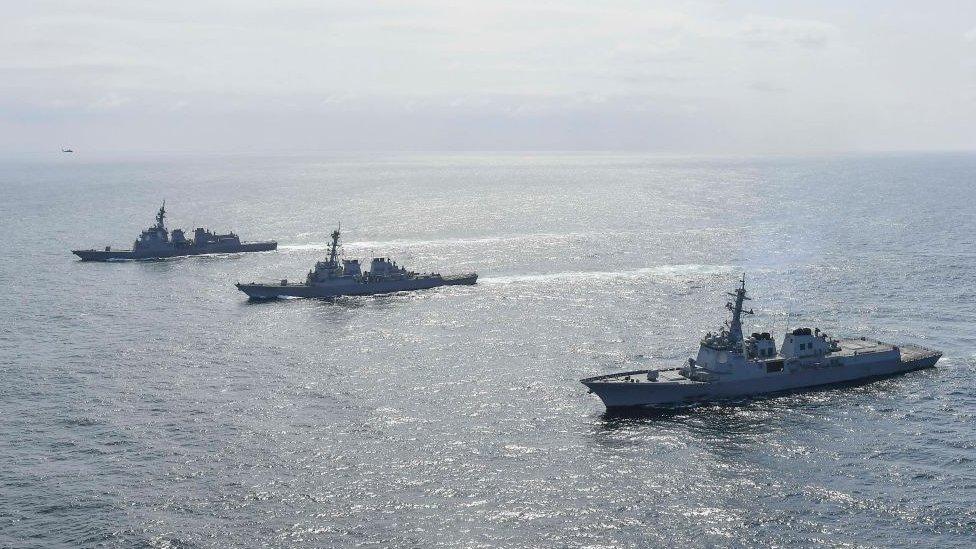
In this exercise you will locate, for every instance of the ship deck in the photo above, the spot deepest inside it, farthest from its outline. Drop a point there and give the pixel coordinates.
(911, 353)
(464, 277)
(669, 375)
(849, 347)
(862, 346)
(859, 346)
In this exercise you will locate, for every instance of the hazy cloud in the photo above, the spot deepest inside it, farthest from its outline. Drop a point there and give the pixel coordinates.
(768, 31)
(672, 76)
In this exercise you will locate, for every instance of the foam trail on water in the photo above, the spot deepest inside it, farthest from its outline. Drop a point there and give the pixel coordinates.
(405, 243)
(659, 271)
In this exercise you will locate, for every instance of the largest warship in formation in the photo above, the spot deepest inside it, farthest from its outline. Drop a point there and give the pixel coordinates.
(156, 242)
(333, 278)
(730, 366)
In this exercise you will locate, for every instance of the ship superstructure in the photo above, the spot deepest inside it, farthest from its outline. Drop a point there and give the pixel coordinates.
(157, 242)
(729, 365)
(337, 277)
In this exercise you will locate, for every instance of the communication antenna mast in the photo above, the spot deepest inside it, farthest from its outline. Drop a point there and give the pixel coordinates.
(789, 312)
(736, 306)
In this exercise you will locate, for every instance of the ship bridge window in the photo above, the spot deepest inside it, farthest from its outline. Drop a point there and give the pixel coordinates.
(774, 366)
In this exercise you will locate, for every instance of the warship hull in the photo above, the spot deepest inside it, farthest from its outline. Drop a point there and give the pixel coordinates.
(257, 291)
(119, 255)
(624, 390)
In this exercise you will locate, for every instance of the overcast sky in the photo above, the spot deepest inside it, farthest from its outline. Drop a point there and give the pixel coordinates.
(748, 77)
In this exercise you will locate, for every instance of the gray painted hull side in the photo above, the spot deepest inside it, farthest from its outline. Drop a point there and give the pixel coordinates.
(115, 255)
(272, 291)
(653, 394)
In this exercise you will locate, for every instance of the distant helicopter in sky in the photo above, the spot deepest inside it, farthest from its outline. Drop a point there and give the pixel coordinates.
(66, 150)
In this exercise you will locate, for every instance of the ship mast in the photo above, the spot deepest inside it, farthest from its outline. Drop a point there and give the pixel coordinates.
(161, 216)
(735, 325)
(334, 247)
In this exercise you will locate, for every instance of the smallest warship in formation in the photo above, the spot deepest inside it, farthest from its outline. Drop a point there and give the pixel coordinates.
(333, 278)
(156, 242)
(729, 366)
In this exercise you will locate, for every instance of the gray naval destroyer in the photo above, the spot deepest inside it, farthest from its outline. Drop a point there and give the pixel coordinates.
(729, 366)
(156, 242)
(333, 278)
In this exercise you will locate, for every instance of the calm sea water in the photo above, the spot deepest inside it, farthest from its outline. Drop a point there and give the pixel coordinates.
(148, 404)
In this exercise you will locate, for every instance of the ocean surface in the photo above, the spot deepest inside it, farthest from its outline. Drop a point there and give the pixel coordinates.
(149, 404)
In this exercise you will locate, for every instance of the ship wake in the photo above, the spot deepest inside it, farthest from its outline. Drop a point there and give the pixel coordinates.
(661, 271)
(452, 242)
